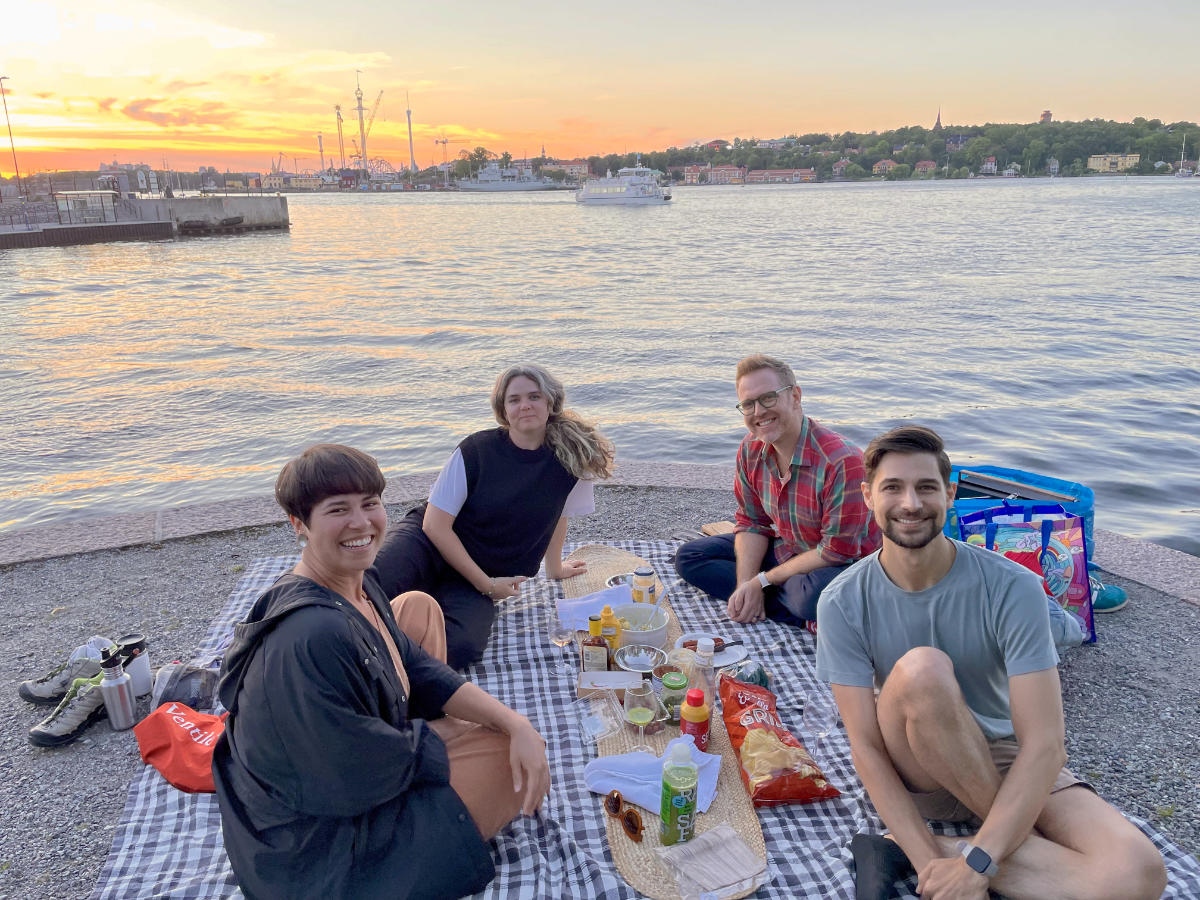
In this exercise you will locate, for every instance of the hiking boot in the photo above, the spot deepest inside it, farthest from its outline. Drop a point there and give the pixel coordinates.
(84, 662)
(82, 706)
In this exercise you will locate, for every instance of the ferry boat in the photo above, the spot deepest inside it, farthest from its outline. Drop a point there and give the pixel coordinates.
(492, 178)
(632, 186)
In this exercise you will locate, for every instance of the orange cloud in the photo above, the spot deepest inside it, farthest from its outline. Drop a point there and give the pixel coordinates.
(149, 109)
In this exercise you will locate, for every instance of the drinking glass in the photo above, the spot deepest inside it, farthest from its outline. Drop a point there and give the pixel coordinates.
(820, 718)
(640, 707)
(561, 636)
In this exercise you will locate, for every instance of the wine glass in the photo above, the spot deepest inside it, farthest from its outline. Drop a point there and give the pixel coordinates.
(561, 636)
(640, 707)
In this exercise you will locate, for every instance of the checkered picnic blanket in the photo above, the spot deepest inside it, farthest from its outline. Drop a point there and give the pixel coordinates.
(168, 844)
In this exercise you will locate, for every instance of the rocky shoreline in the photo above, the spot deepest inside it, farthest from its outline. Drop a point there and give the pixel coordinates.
(1132, 700)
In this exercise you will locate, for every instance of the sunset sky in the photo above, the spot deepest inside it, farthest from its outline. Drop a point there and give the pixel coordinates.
(233, 84)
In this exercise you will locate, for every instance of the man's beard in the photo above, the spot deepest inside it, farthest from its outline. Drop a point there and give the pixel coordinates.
(912, 540)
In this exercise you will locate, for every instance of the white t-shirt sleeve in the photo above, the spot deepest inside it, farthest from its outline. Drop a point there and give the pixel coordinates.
(581, 501)
(449, 492)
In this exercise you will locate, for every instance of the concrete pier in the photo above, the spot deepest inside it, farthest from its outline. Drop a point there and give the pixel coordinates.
(101, 232)
(218, 214)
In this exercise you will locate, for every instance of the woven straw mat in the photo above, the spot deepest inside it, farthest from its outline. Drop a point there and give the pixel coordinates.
(638, 863)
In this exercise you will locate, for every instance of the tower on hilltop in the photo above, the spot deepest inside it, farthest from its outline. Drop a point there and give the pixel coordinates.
(937, 126)
(1046, 117)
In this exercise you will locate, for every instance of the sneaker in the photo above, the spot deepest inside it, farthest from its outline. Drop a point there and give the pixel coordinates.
(84, 662)
(1107, 598)
(82, 706)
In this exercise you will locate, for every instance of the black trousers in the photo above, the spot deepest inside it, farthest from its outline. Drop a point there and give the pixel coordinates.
(408, 561)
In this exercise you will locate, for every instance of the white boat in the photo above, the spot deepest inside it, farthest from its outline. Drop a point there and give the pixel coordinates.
(632, 186)
(492, 178)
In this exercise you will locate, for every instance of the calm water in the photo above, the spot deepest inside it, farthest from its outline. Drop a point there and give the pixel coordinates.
(1044, 325)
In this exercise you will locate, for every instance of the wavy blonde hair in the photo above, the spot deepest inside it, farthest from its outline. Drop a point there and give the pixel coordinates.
(577, 443)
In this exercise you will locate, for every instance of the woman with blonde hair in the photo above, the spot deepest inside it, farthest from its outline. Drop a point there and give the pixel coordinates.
(500, 505)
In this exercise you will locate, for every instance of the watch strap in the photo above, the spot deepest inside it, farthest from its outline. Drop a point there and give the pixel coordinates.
(763, 580)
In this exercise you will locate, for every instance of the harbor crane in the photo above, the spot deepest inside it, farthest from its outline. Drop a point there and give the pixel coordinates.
(341, 142)
(412, 156)
(364, 127)
(443, 140)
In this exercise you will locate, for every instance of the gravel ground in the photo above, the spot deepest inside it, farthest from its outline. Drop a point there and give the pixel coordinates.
(1132, 700)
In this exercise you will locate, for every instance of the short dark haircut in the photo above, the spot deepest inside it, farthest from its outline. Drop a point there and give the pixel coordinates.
(325, 470)
(906, 439)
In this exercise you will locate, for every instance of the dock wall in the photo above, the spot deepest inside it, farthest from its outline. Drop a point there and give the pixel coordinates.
(269, 211)
(62, 235)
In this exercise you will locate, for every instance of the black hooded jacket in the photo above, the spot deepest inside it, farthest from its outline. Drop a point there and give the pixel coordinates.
(329, 780)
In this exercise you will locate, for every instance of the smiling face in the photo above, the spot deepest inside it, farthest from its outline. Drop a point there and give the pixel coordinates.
(526, 409)
(909, 498)
(344, 533)
(783, 421)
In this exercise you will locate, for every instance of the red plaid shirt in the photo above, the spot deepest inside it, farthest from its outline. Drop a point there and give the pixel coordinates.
(817, 502)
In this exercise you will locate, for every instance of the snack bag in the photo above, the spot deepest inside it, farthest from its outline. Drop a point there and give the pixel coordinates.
(775, 766)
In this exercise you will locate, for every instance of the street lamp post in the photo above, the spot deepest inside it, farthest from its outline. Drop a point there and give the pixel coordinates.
(16, 169)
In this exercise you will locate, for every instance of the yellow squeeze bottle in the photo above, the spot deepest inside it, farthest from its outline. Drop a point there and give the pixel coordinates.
(610, 630)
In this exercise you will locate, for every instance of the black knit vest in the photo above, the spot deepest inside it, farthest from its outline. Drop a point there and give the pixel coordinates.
(514, 500)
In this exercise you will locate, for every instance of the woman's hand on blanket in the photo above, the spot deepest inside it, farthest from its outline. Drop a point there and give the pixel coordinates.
(505, 586)
(951, 879)
(567, 568)
(530, 768)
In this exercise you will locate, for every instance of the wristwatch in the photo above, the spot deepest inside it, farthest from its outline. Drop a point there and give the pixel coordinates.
(764, 580)
(978, 859)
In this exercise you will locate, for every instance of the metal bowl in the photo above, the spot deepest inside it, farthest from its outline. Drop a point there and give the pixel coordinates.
(640, 658)
(622, 578)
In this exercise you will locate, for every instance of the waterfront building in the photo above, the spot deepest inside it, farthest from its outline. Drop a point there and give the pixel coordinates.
(273, 182)
(711, 174)
(1013, 170)
(774, 144)
(988, 167)
(883, 166)
(780, 176)
(575, 168)
(1114, 162)
(839, 167)
(925, 167)
(1046, 118)
(1052, 167)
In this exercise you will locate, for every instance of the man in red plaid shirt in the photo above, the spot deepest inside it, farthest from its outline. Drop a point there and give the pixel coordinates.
(801, 517)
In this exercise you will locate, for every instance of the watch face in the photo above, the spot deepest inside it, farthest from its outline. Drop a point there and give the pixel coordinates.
(979, 860)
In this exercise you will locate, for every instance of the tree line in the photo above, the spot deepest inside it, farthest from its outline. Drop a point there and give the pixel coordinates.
(957, 150)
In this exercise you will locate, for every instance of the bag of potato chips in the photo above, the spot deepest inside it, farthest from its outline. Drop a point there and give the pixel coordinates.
(775, 766)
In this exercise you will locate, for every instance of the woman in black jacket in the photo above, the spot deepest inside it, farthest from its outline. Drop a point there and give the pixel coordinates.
(337, 776)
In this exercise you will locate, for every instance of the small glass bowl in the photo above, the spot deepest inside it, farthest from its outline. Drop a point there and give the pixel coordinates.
(640, 658)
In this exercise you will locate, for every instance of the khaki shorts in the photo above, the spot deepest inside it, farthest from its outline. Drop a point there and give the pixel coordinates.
(943, 805)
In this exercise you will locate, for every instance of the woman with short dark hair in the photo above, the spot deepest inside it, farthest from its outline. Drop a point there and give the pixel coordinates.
(354, 762)
(500, 505)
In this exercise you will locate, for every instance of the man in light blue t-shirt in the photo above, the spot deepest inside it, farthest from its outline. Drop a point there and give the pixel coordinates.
(944, 670)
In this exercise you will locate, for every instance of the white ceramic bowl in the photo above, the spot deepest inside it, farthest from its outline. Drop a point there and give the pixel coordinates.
(649, 624)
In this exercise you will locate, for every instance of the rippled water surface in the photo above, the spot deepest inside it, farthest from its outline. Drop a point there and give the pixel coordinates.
(1043, 325)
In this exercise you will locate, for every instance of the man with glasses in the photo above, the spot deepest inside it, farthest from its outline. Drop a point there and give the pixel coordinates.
(801, 518)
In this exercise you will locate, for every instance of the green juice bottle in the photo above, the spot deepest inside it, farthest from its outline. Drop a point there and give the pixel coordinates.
(679, 781)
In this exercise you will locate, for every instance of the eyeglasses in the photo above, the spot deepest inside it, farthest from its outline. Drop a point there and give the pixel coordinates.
(629, 817)
(766, 401)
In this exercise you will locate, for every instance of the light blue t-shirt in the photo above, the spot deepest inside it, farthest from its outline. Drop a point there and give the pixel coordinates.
(988, 614)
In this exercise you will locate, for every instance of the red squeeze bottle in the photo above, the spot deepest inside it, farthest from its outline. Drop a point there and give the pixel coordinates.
(693, 718)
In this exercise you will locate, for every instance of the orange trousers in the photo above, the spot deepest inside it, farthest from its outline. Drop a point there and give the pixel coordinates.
(479, 769)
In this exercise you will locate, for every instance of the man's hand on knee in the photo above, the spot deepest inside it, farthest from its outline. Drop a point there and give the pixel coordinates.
(746, 603)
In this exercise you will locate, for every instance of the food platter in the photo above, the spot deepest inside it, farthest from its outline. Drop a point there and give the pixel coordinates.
(728, 656)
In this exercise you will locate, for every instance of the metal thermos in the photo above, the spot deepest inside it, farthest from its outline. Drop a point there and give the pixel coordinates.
(133, 649)
(116, 687)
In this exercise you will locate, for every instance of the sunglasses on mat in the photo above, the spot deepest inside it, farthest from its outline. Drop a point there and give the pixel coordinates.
(628, 816)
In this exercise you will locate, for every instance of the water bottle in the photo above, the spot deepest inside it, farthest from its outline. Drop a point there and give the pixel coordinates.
(703, 676)
(137, 662)
(116, 687)
(678, 809)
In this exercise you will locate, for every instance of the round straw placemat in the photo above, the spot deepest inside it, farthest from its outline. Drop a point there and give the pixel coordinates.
(638, 863)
